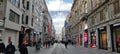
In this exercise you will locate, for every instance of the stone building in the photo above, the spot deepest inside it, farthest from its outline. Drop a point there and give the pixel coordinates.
(103, 22)
(23, 20)
(10, 15)
(98, 23)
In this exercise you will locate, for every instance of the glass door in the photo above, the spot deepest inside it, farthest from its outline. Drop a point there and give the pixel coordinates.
(104, 39)
(118, 39)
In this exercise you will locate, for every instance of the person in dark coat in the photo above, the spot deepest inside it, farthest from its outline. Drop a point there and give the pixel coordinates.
(2, 47)
(21, 36)
(23, 49)
(10, 49)
(66, 43)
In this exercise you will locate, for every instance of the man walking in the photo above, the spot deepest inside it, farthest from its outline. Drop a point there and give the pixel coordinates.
(10, 49)
(66, 43)
(2, 47)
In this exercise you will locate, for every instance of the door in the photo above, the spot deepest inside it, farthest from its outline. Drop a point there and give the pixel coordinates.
(104, 39)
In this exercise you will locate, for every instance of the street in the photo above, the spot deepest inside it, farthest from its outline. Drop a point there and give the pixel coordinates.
(59, 48)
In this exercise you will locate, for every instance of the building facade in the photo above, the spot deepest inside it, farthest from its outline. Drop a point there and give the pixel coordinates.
(10, 20)
(24, 21)
(98, 23)
(103, 22)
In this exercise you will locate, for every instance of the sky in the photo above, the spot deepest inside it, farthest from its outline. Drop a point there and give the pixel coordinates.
(58, 10)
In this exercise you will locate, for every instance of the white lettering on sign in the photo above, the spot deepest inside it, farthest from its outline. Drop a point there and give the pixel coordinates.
(117, 24)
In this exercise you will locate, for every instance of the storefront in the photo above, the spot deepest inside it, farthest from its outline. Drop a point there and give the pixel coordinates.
(85, 38)
(27, 37)
(13, 34)
(93, 39)
(115, 32)
(81, 39)
(102, 38)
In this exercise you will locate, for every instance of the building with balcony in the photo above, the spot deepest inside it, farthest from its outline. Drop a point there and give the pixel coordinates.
(98, 23)
(103, 21)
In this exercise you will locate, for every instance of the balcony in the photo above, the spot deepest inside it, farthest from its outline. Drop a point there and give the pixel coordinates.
(84, 17)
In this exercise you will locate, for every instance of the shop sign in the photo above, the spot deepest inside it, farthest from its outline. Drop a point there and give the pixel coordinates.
(116, 24)
(101, 28)
(86, 27)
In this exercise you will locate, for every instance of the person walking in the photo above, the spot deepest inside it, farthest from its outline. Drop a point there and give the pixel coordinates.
(23, 49)
(46, 43)
(2, 47)
(66, 43)
(10, 49)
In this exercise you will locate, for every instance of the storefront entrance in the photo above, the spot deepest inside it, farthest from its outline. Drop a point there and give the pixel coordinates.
(103, 39)
(93, 39)
(85, 39)
(117, 34)
(81, 39)
(115, 31)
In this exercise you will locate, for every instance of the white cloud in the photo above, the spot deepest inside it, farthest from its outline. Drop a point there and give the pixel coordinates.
(56, 5)
(59, 18)
(58, 22)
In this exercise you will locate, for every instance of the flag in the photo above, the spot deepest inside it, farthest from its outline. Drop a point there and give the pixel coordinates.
(66, 24)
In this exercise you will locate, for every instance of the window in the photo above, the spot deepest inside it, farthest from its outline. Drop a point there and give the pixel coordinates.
(22, 19)
(92, 4)
(33, 8)
(15, 2)
(44, 29)
(86, 6)
(102, 16)
(23, 2)
(116, 7)
(27, 5)
(14, 17)
(32, 22)
(26, 19)
(93, 20)
(11, 17)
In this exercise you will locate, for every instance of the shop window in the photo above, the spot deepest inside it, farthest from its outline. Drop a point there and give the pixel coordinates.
(118, 39)
(93, 39)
